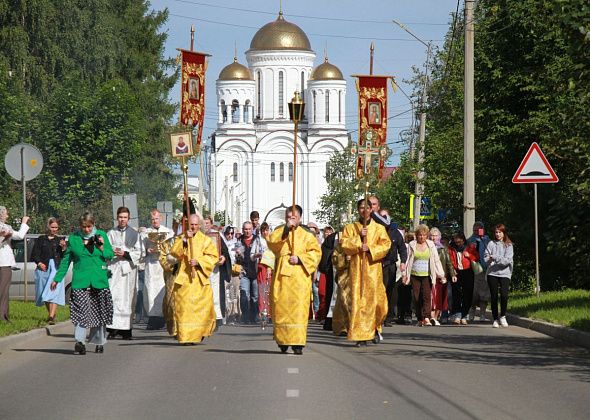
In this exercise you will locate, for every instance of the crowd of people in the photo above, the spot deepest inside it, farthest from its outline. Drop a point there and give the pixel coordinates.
(199, 276)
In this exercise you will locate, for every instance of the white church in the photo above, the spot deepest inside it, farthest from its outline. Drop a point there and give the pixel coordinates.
(252, 160)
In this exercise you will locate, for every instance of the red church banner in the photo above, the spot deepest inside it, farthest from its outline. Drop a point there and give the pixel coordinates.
(192, 91)
(372, 92)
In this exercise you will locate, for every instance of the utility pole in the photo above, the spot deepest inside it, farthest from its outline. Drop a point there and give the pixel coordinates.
(419, 188)
(468, 128)
(419, 191)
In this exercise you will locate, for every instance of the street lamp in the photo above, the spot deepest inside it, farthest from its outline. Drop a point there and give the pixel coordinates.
(296, 108)
(419, 190)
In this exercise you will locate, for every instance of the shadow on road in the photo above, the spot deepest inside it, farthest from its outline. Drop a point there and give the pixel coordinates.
(253, 351)
(53, 351)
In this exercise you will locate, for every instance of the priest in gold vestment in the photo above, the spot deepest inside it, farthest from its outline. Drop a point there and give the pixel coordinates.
(169, 265)
(341, 315)
(194, 315)
(367, 246)
(290, 294)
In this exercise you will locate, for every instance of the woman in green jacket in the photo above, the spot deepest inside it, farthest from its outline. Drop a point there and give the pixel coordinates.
(91, 305)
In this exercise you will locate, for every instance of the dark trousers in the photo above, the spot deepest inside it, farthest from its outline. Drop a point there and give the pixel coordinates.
(404, 299)
(5, 278)
(422, 295)
(503, 282)
(463, 292)
(389, 283)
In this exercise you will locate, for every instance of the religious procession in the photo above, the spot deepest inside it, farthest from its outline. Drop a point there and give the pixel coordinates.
(202, 274)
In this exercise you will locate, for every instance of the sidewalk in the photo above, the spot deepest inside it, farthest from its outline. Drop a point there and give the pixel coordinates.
(8, 342)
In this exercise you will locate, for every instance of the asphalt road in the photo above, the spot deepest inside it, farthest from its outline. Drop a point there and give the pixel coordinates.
(448, 372)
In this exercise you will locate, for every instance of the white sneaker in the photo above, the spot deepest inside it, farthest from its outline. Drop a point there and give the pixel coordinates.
(463, 321)
(436, 323)
(495, 324)
(503, 321)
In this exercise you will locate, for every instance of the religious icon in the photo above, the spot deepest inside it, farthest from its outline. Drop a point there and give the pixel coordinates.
(374, 113)
(181, 145)
(193, 91)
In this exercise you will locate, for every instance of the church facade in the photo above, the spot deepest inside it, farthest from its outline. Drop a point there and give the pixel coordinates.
(252, 153)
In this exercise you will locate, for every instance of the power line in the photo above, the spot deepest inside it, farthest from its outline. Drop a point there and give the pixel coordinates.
(312, 34)
(263, 12)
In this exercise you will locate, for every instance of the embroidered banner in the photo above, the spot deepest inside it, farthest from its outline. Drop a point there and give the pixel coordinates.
(192, 91)
(372, 92)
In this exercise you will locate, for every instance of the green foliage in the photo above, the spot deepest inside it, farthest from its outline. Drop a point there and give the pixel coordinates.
(532, 83)
(86, 82)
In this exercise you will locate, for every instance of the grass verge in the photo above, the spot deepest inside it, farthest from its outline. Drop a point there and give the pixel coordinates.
(25, 316)
(569, 307)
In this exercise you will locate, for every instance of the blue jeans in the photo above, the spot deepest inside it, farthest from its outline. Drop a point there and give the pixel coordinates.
(249, 299)
(316, 297)
(98, 335)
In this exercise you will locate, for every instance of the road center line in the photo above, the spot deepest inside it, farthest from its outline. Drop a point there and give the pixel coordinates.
(293, 370)
(292, 393)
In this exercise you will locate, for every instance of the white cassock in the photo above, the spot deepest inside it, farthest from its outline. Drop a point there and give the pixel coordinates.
(123, 281)
(154, 285)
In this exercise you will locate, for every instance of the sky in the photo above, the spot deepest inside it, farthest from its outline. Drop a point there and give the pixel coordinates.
(342, 28)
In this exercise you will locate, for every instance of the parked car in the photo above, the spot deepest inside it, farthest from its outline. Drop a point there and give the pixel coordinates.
(17, 286)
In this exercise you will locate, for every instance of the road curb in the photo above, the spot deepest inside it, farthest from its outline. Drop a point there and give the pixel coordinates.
(8, 342)
(569, 335)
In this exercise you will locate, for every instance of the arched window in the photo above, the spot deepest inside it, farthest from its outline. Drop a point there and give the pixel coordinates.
(272, 172)
(235, 172)
(290, 171)
(259, 94)
(235, 111)
(281, 94)
(339, 106)
(327, 106)
(223, 111)
(247, 111)
(302, 86)
(314, 106)
(282, 172)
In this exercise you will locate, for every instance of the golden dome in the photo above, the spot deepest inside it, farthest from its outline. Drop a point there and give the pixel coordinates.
(235, 71)
(280, 35)
(326, 71)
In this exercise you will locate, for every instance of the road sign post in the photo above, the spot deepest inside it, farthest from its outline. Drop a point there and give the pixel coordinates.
(535, 169)
(24, 162)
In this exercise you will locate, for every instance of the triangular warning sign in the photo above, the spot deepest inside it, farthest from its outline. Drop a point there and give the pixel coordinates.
(534, 168)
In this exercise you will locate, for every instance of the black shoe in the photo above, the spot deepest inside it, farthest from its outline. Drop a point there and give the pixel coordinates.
(377, 338)
(387, 324)
(79, 348)
(283, 348)
(400, 321)
(361, 343)
(297, 350)
(111, 335)
(99, 349)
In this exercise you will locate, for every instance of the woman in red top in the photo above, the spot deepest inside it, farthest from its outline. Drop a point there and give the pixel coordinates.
(462, 254)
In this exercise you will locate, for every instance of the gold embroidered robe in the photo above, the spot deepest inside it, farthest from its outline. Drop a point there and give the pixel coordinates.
(341, 314)
(290, 293)
(169, 265)
(194, 314)
(368, 297)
